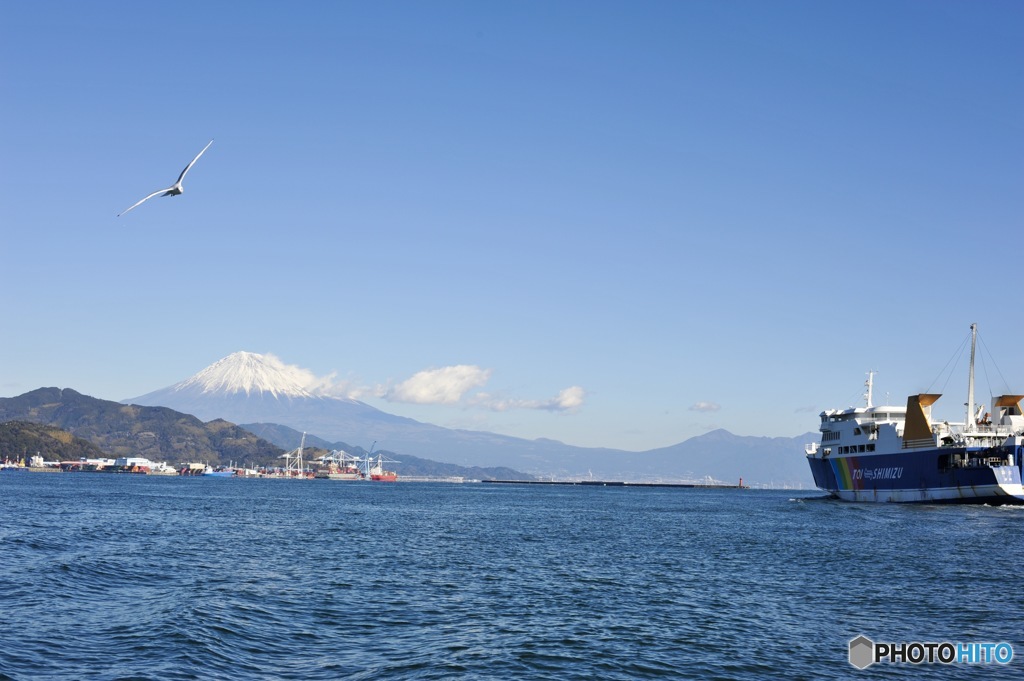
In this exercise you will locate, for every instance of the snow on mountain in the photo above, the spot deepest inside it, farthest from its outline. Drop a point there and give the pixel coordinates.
(250, 373)
(246, 387)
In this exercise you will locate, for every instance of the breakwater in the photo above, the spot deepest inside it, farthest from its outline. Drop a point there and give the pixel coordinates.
(618, 483)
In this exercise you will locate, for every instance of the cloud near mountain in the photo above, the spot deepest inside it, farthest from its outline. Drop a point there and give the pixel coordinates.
(567, 400)
(446, 386)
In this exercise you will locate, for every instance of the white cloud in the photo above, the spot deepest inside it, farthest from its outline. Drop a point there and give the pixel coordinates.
(446, 385)
(451, 386)
(289, 372)
(705, 406)
(323, 385)
(328, 385)
(569, 399)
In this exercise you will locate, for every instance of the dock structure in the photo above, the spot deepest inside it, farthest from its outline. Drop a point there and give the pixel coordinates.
(454, 479)
(618, 483)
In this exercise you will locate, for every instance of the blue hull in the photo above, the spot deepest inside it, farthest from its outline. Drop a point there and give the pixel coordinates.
(922, 476)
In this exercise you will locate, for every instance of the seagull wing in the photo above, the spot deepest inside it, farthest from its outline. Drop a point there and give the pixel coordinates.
(158, 191)
(182, 176)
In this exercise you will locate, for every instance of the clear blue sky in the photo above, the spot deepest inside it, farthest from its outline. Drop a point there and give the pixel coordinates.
(607, 223)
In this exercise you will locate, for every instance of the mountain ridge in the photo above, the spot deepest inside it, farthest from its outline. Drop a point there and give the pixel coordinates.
(158, 433)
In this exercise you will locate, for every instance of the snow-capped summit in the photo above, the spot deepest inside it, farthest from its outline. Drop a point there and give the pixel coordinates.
(249, 373)
(246, 387)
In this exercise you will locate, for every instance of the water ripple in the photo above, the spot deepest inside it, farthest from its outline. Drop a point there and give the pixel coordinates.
(126, 577)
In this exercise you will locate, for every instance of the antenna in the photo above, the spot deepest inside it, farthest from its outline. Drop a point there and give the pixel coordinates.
(869, 384)
(969, 423)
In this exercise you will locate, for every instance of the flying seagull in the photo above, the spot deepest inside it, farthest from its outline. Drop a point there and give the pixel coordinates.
(175, 188)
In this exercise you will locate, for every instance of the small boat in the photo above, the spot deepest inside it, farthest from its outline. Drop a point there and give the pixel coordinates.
(901, 454)
(206, 470)
(162, 468)
(219, 472)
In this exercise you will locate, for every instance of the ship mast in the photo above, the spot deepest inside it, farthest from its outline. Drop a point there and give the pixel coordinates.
(969, 423)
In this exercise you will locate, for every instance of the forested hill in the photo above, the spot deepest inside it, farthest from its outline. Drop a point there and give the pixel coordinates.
(157, 433)
(21, 440)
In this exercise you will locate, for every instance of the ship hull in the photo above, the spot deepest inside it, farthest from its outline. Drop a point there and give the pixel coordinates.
(917, 476)
(338, 476)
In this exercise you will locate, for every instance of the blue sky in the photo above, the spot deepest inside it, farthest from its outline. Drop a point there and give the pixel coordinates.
(608, 223)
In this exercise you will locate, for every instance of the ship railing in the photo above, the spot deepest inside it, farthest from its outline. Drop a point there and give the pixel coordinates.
(986, 458)
(982, 462)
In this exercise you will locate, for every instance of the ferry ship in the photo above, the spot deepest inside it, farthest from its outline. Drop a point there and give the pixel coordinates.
(899, 454)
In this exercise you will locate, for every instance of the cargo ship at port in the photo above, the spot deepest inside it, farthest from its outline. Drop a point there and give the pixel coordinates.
(900, 454)
(339, 465)
(379, 474)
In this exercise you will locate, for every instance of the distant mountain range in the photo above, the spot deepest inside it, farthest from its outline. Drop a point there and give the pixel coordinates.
(247, 388)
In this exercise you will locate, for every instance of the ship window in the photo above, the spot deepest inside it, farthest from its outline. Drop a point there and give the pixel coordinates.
(871, 447)
(860, 448)
(856, 431)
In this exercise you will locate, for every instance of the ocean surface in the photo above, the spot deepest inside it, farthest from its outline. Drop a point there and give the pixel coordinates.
(107, 576)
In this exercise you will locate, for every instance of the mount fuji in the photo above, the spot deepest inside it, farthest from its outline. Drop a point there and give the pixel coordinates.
(246, 387)
(250, 388)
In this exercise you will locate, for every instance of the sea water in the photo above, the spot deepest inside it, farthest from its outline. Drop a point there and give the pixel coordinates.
(107, 576)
